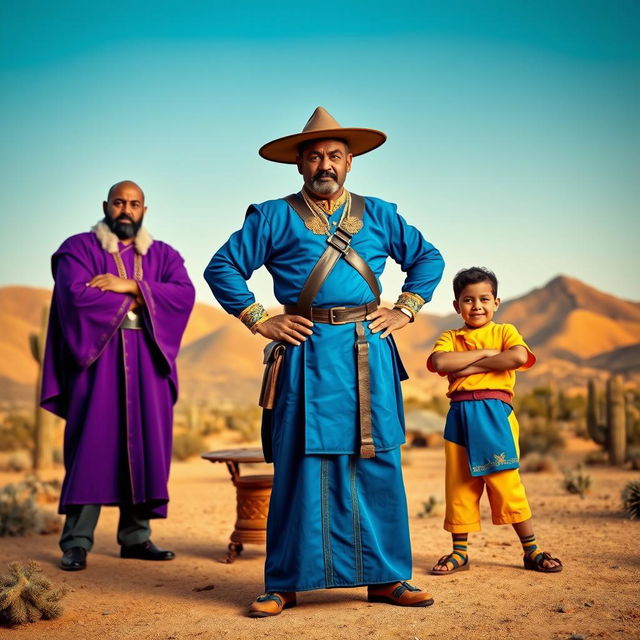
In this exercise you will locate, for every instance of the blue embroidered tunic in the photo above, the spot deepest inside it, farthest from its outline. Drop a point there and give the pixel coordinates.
(274, 235)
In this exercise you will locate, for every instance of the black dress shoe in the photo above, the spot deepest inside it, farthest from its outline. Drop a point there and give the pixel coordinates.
(74, 559)
(146, 551)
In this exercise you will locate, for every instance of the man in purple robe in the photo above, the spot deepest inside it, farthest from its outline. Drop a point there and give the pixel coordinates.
(120, 305)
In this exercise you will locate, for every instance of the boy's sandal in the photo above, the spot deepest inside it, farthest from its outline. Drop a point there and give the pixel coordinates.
(535, 564)
(451, 557)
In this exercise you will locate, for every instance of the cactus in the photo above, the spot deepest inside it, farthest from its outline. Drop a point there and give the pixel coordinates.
(552, 403)
(616, 421)
(596, 429)
(193, 418)
(631, 499)
(188, 444)
(27, 595)
(610, 433)
(44, 421)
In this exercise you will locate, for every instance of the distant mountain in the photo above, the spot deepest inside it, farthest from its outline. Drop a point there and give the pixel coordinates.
(571, 320)
(204, 319)
(225, 364)
(623, 360)
(21, 312)
(576, 331)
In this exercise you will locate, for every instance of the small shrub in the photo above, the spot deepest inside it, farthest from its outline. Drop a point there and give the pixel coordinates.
(20, 515)
(16, 432)
(187, 445)
(44, 491)
(633, 431)
(247, 422)
(595, 458)
(17, 461)
(631, 499)
(538, 435)
(433, 507)
(538, 463)
(576, 481)
(633, 456)
(27, 595)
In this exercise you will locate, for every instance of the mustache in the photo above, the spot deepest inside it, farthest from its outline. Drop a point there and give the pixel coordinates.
(124, 216)
(325, 174)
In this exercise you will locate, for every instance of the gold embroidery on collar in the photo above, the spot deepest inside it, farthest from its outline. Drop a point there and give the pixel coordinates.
(334, 205)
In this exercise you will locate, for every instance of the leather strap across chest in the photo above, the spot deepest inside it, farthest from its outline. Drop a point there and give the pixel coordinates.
(339, 246)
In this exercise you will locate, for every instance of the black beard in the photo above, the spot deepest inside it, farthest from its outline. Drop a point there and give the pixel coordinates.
(123, 230)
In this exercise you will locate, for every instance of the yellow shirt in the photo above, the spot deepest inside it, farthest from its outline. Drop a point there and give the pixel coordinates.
(490, 336)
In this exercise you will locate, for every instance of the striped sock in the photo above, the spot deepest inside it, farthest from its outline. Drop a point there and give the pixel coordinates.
(460, 544)
(530, 546)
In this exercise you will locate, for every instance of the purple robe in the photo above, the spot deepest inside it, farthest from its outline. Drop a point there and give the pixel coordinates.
(115, 387)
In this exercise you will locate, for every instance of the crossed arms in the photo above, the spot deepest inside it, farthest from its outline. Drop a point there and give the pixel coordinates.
(110, 282)
(458, 364)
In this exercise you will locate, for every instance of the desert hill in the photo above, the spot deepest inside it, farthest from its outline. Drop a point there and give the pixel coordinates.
(569, 319)
(21, 312)
(623, 360)
(204, 320)
(577, 332)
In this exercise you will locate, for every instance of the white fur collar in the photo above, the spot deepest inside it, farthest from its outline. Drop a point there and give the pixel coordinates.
(109, 240)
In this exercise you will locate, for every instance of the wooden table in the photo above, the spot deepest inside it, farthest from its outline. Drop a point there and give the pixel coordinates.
(252, 498)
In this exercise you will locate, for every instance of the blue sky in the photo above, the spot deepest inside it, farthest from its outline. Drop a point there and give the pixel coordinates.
(514, 128)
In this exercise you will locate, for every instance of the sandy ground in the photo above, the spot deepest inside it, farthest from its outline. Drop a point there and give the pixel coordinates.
(596, 596)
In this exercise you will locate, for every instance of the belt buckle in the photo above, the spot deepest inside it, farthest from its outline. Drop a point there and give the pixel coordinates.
(337, 241)
(332, 320)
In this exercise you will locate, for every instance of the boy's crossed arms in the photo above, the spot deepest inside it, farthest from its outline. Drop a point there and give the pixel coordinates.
(458, 364)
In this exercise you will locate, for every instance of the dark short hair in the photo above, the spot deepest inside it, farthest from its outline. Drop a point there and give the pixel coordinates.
(473, 275)
(303, 145)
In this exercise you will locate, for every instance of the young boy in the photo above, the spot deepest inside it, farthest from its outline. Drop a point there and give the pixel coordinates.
(481, 432)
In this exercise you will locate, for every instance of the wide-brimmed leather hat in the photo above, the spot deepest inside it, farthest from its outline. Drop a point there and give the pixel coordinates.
(322, 125)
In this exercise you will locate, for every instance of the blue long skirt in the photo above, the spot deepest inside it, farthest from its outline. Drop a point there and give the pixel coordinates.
(334, 520)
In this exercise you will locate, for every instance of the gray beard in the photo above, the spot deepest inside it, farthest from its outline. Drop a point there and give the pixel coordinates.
(324, 188)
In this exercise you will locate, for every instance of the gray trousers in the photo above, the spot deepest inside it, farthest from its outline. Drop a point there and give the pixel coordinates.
(81, 521)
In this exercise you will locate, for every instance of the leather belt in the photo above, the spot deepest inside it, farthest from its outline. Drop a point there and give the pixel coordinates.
(335, 315)
(131, 320)
(481, 394)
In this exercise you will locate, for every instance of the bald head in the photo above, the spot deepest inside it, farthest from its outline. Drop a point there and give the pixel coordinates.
(124, 209)
(125, 183)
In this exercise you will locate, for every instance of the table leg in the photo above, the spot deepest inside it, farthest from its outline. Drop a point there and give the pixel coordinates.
(235, 549)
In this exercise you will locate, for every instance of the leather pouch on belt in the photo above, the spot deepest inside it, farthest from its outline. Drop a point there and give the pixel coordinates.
(273, 355)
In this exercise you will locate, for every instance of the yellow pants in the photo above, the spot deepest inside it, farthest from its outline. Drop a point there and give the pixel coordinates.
(505, 491)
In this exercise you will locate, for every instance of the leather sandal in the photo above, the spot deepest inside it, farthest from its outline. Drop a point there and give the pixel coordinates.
(402, 594)
(272, 604)
(535, 564)
(457, 566)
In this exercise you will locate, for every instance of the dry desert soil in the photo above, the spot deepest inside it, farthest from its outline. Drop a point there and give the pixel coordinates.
(197, 596)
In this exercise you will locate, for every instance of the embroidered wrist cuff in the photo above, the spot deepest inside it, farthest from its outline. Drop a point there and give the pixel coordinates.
(410, 301)
(266, 316)
(253, 315)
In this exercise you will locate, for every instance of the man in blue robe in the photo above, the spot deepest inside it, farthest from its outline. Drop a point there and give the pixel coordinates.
(338, 513)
